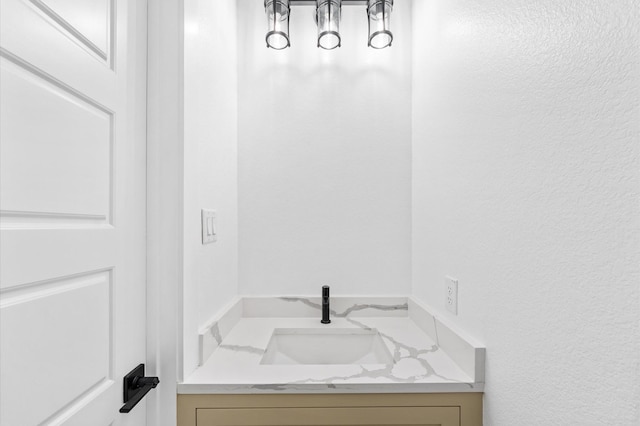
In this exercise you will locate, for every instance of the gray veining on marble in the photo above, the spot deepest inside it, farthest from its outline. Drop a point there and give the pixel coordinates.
(462, 348)
(215, 332)
(350, 309)
(211, 337)
(388, 371)
(243, 348)
(354, 308)
(419, 362)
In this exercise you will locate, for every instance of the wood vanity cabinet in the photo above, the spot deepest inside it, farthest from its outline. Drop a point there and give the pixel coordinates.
(441, 409)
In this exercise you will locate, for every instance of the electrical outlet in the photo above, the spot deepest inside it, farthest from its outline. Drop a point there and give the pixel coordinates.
(451, 295)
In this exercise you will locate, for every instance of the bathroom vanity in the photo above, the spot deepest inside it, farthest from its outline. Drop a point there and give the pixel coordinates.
(381, 361)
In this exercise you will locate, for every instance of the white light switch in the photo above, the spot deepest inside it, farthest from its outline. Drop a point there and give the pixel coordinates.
(209, 226)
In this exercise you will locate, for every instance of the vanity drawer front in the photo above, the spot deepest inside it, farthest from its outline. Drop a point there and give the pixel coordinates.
(369, 416)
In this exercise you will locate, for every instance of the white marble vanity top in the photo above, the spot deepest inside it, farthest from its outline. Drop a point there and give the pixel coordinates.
(427, 355)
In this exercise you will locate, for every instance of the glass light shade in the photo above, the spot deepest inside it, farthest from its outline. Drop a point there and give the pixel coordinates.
(379, 12)
(277, 23)
(328, 20)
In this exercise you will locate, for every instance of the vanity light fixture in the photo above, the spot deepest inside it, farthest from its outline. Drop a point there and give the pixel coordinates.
(379, 12)
(328, 14)
(328, 21)
(277, 23)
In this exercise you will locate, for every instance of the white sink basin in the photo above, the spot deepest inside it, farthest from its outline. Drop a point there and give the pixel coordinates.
(326, 346)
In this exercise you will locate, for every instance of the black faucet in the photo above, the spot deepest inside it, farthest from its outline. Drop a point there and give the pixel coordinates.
(325, 305)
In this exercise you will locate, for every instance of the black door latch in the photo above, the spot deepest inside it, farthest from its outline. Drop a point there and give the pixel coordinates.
(136, 386)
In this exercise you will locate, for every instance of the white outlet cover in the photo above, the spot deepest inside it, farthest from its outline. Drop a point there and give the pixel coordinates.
(451, 295)
(209, 226)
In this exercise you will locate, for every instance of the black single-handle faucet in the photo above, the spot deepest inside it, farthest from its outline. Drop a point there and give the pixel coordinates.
(325, 305)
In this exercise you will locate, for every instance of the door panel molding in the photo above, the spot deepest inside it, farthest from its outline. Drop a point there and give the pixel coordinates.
(64, 351)
(73, 178)
(92, 247)
(95, 392)
(57, 20)
(26, 292)
(10, 219)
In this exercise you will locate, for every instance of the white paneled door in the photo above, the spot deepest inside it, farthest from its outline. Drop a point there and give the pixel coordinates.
(72, 209)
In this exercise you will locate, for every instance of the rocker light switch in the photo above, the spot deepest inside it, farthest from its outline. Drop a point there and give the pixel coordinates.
(209, 226)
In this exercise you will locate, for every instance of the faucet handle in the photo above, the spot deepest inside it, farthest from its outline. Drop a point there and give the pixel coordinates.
(325, 305)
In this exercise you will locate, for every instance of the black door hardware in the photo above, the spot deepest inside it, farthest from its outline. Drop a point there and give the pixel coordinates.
(136, 386)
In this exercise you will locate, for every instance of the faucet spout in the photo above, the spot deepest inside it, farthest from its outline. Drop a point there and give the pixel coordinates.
(325, 305)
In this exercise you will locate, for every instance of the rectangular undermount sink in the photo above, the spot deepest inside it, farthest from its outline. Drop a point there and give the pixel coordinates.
(326, 346)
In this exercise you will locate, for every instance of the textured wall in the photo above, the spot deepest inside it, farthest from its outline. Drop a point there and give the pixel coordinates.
(210, 127)
(324, 158)
(526, 189)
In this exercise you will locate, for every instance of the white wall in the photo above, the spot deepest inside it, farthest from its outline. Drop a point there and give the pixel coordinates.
(210, 127)
(526, 188)
(324, 158)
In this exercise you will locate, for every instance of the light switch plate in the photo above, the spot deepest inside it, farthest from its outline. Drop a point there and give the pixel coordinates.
(209, 226)
(451, 295)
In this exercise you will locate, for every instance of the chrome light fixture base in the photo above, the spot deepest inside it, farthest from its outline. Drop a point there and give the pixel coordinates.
(315, 2)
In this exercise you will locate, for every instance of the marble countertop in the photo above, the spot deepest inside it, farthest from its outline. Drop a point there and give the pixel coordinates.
(419, 364)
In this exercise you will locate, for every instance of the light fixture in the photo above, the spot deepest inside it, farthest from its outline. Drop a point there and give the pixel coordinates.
(328, 14)
(277, 23)
(379, 12)
(328, 21)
